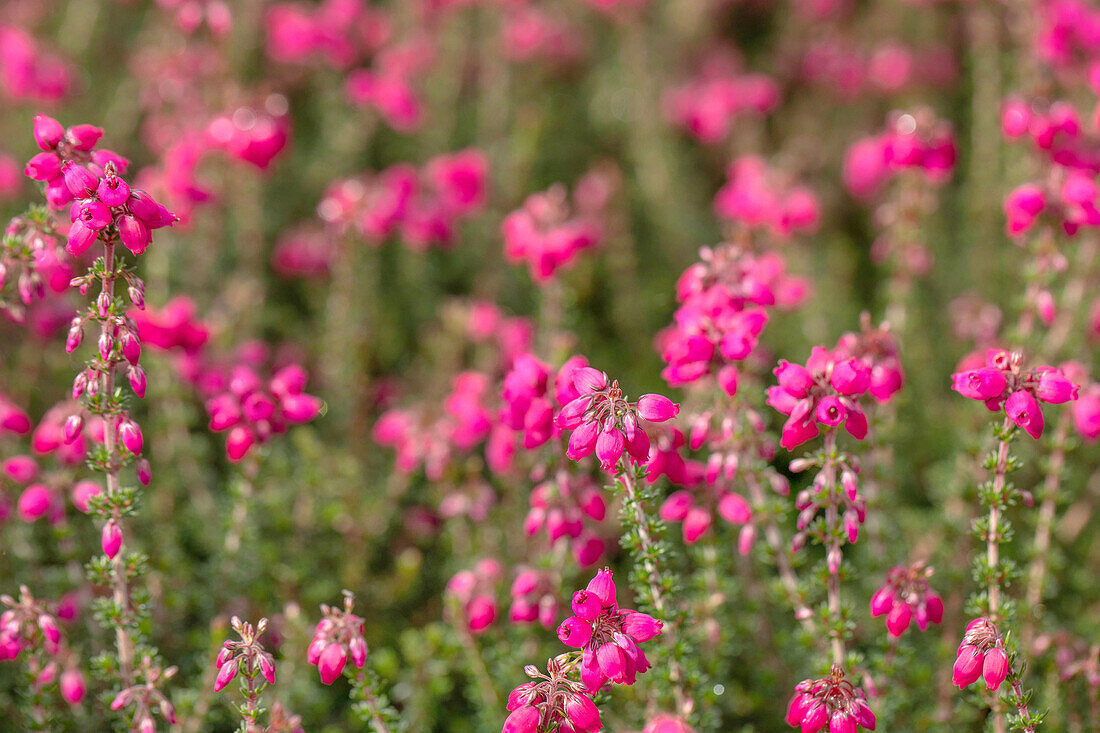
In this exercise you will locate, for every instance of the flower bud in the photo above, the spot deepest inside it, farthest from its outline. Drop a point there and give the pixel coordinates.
(111, 540)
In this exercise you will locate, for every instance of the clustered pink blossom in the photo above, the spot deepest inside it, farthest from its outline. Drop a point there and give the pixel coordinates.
(338, 637)
(695, 509)
(252, 410)
(247, 654)
(387, 86)
(981, 654)
(604, 422)
(548, 234)
(531, 33)
(254, 135)
(30, 625)
(473, 595)
(29, 72)
(423, 207)
(338, 31)
(906, 596)
(723, 300)
(849, 69)
(822, 394)
(1067, 196)
(190, 15)
(1003, 383)
(709, 104)
(830, 702)
(607, 635)
(75, 172)
(758, 198)
(534, 598)
(912, 142)
(555, 702)
(564, 506)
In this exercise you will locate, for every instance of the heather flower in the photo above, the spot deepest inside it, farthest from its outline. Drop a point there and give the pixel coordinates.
(1003, 382)
(567, 507)
(534, 599)
(547, 235)
(756, 199)
(553, 702)
(337, 638)
(472, 595)
(607, 635)
(252, 411)
(809, 397)
(905, 597)
(981, 654)
(830, 702)
(604, 422)
(247, 655)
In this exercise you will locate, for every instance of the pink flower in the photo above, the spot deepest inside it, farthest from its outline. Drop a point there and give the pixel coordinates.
(831, 701)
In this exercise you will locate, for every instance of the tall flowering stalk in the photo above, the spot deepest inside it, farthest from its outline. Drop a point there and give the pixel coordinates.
(822, 397)
(104, 209)
(1002, 384)
(605, 422)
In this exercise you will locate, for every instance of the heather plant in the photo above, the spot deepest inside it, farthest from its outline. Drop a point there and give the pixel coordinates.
(642, 325)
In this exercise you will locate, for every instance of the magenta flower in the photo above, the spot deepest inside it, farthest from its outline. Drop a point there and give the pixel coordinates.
(338, 637)
(808, 395)
(830, 702)
(608, 635)
(1002, 382)
(553, 702)
(604, 422)
(981, 654)
(906, 596)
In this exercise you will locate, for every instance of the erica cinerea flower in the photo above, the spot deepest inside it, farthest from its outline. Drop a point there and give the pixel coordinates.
(823, 394)
(552, 702)
(831, 703)
(608, 635)
(602, 420)
(907, 597)
(338, 638)
(1004, 383)
(256, 667)
(981, 654)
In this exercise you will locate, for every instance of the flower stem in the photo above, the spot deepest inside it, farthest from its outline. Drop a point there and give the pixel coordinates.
(684, 706)
(832, 540)
(119, 591)
(1051, 485)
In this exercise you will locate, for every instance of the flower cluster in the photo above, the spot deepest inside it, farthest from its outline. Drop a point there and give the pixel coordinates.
(534, 599)
(603, 421)
(553, 703)
(472, 596)
(823, 393)
(758, 198)
(849, 68)
(981, 654)
(696, 510)
(708, 105)
(253, 411)
(1003, 383)
(334, 30)
(423, 206)
(28, 71)
(548, 234)
(917, 142)
(722, 314)
(103, 204)
(563, 506)
(831, 702)
(338, 636)
(905, 597)
(247, 655)
(607, 635)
